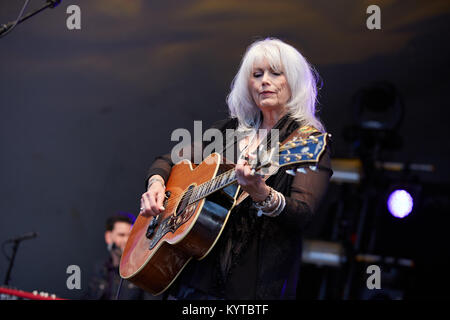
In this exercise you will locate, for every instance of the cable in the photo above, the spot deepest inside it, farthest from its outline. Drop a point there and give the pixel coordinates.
(17, 20)
(118, 289)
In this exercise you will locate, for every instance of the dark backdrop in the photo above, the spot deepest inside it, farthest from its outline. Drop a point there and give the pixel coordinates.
(84, 112)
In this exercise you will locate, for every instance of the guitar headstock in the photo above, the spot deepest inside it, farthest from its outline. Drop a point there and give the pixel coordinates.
(304, 151)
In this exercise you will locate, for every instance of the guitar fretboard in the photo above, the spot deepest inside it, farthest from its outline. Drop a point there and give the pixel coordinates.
(213, 185)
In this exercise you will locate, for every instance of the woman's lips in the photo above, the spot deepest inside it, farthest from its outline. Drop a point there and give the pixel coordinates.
(266, 92)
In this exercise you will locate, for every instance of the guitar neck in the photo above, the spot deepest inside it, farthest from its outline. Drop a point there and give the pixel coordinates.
(294, 151)
(221, 181)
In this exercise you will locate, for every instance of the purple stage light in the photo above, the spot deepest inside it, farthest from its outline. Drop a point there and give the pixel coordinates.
(400, 203)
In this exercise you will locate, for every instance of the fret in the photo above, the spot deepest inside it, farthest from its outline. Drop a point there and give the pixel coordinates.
(231, 176)
(197, 192)
(200, 191)
(223, 180)
(194, 195)
(208, 188)
(205, 189)
(216, 183)
(213, 185)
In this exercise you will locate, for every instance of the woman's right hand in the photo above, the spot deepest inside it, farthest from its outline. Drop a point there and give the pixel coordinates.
(152, 200)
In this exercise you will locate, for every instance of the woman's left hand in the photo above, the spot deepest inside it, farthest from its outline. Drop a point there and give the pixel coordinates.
(251, 183)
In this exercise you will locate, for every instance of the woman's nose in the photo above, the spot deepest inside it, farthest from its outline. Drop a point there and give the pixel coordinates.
(265, 78)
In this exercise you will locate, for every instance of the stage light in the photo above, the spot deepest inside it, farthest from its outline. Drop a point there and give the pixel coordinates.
(400, 203)
(378, 106)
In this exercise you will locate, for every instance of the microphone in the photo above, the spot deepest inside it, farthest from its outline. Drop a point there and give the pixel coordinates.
(53, 3)
(6, 28)
(26, 236)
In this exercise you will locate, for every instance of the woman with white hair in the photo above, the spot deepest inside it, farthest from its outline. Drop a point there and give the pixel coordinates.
(258, 255)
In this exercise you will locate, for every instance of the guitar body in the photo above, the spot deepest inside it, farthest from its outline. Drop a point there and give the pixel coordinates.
(153, 259)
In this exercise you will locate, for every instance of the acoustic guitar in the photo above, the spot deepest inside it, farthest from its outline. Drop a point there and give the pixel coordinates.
(197, 205)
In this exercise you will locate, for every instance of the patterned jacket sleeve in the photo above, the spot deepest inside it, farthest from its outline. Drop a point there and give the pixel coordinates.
(305, 195)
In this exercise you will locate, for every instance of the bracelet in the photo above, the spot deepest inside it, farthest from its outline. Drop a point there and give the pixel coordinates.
(277, 210)
(273, 204)
(153, 180)
(265, 203)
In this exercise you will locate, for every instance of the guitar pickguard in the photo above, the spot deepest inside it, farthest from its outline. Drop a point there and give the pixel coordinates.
(172, 223)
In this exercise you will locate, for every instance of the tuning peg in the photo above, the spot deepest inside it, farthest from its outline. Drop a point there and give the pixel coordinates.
(301, 170)
(313, 168)
(291, 172)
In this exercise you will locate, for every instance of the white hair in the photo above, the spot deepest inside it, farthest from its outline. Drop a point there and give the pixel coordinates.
(301, 77)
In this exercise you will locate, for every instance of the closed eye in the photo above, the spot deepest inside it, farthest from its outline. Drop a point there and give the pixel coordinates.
(259, 74)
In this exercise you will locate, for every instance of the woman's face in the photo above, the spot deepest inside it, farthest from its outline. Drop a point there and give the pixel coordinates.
(268, 88)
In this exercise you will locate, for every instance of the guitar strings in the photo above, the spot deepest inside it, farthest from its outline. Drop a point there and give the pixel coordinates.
(189, 192)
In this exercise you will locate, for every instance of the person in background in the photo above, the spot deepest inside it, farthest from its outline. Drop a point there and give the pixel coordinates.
(106, 280)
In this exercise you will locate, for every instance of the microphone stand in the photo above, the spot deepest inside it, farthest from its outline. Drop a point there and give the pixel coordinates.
(50, 4)
(11, 261)
(16, 242)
